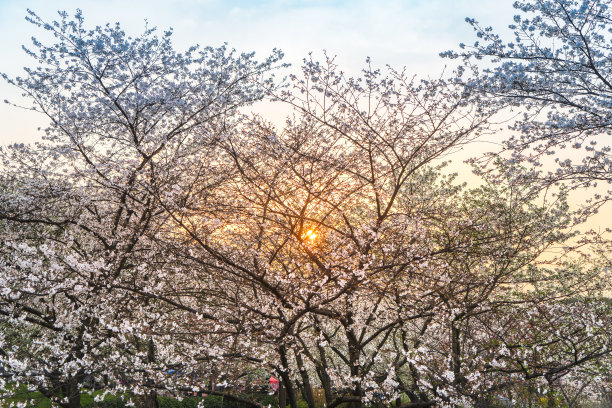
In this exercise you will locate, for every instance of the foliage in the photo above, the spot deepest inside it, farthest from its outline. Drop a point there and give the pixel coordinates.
(157, 240)
(557, 68)
(79, 222)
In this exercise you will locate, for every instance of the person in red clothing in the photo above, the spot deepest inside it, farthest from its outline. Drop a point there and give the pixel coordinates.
(274, 383)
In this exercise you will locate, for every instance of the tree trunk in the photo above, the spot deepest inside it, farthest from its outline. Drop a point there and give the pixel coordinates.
(359, 403)
(306, 386)
(482, 403)
(282, 394)
(354, 351)
(285, 379)
(321, 368)
(290, 392)
(149, 400)
(550, 394)
(71, 394)
(324, 377)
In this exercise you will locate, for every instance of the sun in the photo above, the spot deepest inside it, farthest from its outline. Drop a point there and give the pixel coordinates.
(310, 235)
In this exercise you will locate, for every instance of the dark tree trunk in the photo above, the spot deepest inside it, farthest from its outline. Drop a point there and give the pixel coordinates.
(324, 377)
(149, 400)
(285, 378)
(71, 392)
(282, 394)
(306, 386)
(483, 403)
(354, 351)
(359, 403)
(321, 368)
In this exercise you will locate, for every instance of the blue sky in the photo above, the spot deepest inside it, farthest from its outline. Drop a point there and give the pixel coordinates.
(407, 33)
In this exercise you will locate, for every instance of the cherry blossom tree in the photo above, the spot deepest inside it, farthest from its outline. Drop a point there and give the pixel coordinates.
(295, 232)
(557, 68)
(340, 257)
(158, 230)
(80, 258)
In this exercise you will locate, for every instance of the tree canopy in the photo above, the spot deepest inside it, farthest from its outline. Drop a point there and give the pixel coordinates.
(159, 229)
(557, 67)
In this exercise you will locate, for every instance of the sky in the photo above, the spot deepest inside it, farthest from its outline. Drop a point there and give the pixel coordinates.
(401, 33)
(408, 33)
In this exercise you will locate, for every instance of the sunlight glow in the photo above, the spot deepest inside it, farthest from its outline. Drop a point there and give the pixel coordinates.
(310, 235)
